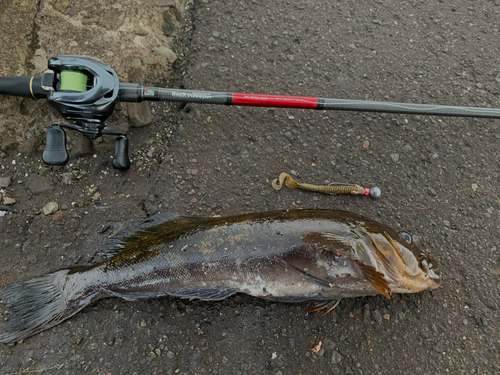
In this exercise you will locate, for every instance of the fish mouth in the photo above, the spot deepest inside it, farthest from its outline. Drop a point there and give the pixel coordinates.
(434, 278)
(428, 265)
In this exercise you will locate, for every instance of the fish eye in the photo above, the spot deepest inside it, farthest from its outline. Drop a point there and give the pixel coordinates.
(405, 237)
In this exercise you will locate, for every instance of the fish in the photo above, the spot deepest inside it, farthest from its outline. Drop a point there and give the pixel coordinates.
(287, 256)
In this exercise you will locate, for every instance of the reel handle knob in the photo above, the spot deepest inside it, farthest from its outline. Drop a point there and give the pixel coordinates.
(55, 152)
(121, 160)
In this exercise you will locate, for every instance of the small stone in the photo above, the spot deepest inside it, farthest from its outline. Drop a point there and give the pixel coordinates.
(424, 332)
(484, 321)
(58, 216)
(394, 157)
(366, 312)
(438, 347)
(5, 181)
(8, 200)
(431, 191)
(50, 208)
(96, 196)
(336, 358)
(377, 317)
(67, 178)
(143, 323)
(366, 144)
(245, 154)
(328, 344)
(139, 114)
(166, 52)
(33, 259)
(138, 30)
(118, 342)
(166, 3)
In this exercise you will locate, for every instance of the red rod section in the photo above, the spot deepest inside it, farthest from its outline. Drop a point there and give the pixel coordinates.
(279, 101)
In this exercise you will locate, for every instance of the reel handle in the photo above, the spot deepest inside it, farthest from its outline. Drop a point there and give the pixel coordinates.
(120, 159)
(55, 152)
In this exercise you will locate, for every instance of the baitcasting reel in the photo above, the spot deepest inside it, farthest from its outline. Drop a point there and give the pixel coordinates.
(84, 91)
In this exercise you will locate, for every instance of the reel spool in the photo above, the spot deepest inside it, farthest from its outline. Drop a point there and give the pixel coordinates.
(73, 81)
(84, 91)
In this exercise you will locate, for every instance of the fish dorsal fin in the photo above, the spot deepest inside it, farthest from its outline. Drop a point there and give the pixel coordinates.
(156, 225)
(377, 279)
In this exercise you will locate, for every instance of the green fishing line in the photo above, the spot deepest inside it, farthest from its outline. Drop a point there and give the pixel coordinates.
(73, 81)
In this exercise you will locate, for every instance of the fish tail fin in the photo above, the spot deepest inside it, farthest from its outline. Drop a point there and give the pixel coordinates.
(40, 303)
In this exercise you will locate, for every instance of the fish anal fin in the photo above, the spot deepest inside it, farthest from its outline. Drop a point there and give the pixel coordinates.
(133, 296)
(205, 294)
(376, 278)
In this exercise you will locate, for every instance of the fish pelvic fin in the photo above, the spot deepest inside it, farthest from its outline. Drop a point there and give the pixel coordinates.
(38, 304)
(328, 305)
(376, 278)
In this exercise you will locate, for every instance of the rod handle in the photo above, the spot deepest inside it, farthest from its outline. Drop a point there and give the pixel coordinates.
(26, 86)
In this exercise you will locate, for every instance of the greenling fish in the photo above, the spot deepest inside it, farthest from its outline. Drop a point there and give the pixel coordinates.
(288, 256)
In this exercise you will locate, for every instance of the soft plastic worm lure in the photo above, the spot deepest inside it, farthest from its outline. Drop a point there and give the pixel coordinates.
(373, 192)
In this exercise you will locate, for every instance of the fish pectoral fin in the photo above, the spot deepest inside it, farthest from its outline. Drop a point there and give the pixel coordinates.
(205, 294)
(309, 276)
(154, 226)
(377, 279)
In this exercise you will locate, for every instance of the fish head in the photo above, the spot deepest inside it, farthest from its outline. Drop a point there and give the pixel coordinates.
(407, 268)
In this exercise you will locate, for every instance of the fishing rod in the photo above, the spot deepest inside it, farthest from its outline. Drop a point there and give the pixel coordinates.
(85, 91)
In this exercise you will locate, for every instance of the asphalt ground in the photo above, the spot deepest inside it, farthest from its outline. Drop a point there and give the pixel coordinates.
(438, 177)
